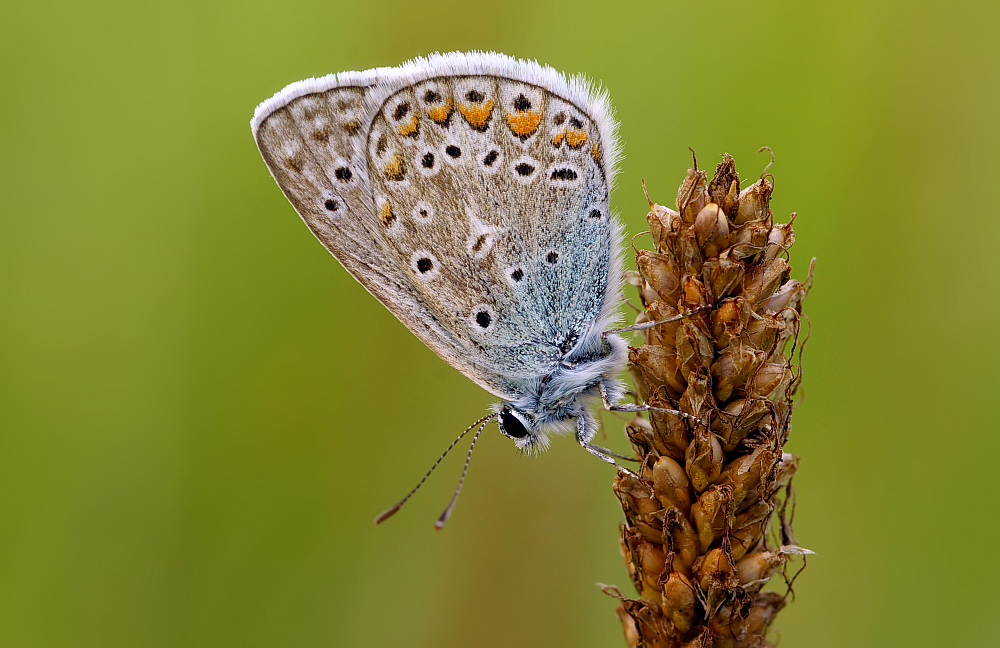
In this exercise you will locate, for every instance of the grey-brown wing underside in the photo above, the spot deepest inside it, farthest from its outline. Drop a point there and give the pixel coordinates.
(451, 242)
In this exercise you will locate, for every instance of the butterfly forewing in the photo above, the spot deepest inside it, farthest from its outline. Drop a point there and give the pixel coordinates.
(469, 194)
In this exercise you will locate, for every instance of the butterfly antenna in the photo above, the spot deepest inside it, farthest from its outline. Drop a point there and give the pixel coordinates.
(389, 512)
(461, 480)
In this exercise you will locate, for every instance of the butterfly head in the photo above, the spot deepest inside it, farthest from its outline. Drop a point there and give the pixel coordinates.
(529, 431)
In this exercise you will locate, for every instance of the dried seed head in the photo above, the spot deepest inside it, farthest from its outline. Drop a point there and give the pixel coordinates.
(755, 568)
(679, 599)
(700, 516)
(711, 514)
(790, 295)
(749, 240)
(659, 367)
(732, 368)
(703, 459)
(723, 275)
(780, 238)
(749, 527)
(746, 473)
(765, 606)
(692, 195)
(724, 188)
(640, 434)
(671, 484)
(660, 274)
(680, 539)
(763, 331)
(664, 334)
(771, 381)
(672, 430)
(694, 348)
(763, 281)
(715, 571)
(697, 399)
(754, 202)
(729, 320)
(663, 226)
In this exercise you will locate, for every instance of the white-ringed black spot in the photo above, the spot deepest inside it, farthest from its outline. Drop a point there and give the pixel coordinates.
(517, 274)
(521, 103)
(453, 151)
(559, 119)
(563, 174)
(552, 256)
(331, 205)
(343, 174)
(401, 111)
(423, 211)
(490, 158)
(427, 161)
(475, 96)
(483, 318)
(425, 264)
(524, 169)
(595, 213)
(575, 123)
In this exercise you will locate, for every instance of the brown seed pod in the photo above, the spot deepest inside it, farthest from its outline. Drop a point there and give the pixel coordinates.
(706, 518)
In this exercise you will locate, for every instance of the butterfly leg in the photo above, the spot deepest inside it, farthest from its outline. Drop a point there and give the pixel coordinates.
(604, 454)
(612, 407)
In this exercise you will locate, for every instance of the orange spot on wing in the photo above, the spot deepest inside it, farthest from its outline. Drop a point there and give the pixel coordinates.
(409, 128)
(352, 127)
(595, 152)
(558, 138)
(576, 137)
(476, 115)
(395, 169)
(524, 123)
(388, 218)
(440, 113)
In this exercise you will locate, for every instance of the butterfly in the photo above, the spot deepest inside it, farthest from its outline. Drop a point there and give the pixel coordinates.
(470, 194)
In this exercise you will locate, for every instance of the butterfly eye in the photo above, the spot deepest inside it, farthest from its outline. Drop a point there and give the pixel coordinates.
(512, 426)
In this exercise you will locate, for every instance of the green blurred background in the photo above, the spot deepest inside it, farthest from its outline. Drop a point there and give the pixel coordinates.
(200, 412)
